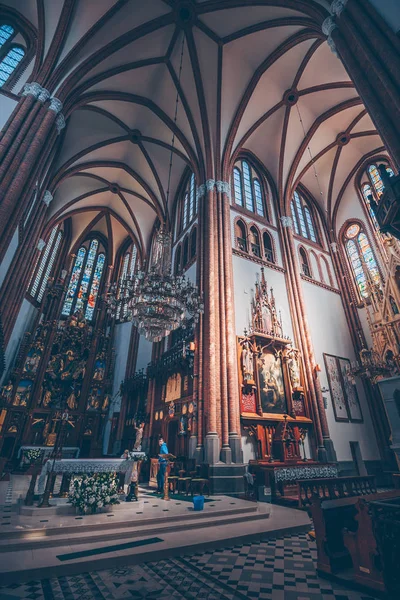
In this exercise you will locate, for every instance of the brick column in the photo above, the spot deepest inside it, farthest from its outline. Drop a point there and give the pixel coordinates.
(370, 52)
(28, 146)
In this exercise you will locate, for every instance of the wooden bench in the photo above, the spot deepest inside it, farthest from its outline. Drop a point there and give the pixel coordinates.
(334, 488)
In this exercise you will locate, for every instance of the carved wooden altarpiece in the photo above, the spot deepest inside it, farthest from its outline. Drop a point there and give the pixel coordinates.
(273, 399)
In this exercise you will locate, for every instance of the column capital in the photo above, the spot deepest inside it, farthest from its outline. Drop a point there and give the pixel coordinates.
(56, 105)
(327, 27)
(286, 221)
(337, 7)
(224, 187)
(201, 190)
(47, 197)
(60, 122)
(37, 91)
(210, 185)
(41, 244)
(334, 247)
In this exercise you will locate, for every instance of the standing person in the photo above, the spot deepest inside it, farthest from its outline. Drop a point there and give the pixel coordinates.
(162, 466)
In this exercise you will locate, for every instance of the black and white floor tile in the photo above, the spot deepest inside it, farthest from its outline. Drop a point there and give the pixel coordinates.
(274, 569)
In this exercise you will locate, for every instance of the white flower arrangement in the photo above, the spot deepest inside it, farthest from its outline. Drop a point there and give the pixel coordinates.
(90, 492)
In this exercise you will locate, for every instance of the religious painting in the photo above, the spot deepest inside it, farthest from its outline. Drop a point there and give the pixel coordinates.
(173, 387)
(32, 361)
(271, 387)
(23, 392)
(336, 386)
(353, 402)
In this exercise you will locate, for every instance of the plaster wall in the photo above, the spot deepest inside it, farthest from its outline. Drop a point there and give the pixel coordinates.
(7, 105)
(245, 274)
(330, 334)
(389, 10)
(23, 323)
(9, 256)
(144, 353)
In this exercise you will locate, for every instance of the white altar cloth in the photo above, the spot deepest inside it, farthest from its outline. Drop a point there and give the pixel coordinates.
(47, 450)
(81, 466)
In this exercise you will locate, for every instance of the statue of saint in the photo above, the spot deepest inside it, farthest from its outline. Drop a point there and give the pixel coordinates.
(294, 372)
(247, 362)
(47, 398)
(106, 403)
(139, 435)
(6, 392)
(71, 401)
(266, 318)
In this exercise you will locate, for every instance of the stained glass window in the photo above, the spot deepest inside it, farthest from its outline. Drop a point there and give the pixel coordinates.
(124, 273)
(294, 217)
(258, 197)
(367, 192)
(134, 258)
(248, 192)
(192, 203)
(6, 31)
(310, 225)
(10, 62)
(362, 259)
(376, 180)
(237, 186)
(94, 288)
(87, 273)
(74, 281)
(188, 206)
(300, 215)
(128, 268)
(44, 265)
(49, 267)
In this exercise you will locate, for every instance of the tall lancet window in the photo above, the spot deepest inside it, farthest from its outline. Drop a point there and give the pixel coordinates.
(11, 54)
(303, 221)
(85, 282)
(44, 265)
(361, 258)
(247, 188)
(188, 208)
(128, 268)
(373, 187)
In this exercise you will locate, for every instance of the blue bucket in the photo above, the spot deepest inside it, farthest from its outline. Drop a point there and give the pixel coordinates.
(198, 503)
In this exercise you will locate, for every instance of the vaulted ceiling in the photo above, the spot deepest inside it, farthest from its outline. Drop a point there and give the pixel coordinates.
(252, 74)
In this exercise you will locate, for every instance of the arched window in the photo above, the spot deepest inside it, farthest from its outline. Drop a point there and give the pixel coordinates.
(373, 188)
(304, 263)
(247, 189)
(44, 265)
(361, 257)
(178, 258)
(185, 252)
(84, 284)
(268, 248)
(127, 269)
(189, 204)
(241, 238)
(193, 243)
(255, 242)
(11, 54)
(302, 218)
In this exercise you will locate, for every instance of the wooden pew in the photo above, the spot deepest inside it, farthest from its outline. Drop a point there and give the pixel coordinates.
(334, 488)
(362, 545)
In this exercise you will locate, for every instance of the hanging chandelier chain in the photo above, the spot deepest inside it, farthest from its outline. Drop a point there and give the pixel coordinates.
(309, 151)
(175, 119)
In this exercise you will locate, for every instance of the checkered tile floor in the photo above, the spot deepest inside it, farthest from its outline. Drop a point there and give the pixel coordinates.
(276, 569)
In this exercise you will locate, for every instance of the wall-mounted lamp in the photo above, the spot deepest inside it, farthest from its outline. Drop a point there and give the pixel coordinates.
(317, 368)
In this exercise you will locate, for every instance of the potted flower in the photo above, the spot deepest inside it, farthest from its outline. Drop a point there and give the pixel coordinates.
(89, 493)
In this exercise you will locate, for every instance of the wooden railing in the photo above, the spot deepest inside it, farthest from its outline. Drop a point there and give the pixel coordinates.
(334, 488)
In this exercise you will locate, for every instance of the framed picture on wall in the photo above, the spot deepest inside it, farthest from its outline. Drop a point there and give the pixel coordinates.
(353, 402)
(336, 387)
(345, 401)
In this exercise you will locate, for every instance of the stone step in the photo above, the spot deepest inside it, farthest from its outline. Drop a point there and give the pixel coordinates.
(35, 539)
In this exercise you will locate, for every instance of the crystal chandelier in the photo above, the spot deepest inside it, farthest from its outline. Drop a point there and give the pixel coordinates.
(370, 366)
(156, 301)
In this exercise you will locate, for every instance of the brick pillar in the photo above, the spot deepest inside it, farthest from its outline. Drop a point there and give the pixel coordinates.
(326, 451)
(210, 324)
(370, 52)
(28, 145)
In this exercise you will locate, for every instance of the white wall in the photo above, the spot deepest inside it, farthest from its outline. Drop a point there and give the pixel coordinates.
(7, 105)
(4, 266)
(23, 323)
(330, 334)
(144, 353)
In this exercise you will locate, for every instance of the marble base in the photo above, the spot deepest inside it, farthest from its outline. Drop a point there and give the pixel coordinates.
(211, 448)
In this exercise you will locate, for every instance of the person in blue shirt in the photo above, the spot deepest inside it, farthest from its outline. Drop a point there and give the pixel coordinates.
(162, 466)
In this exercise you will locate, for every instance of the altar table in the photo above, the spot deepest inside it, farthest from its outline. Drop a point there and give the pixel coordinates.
(67, 452)
(83, 466)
